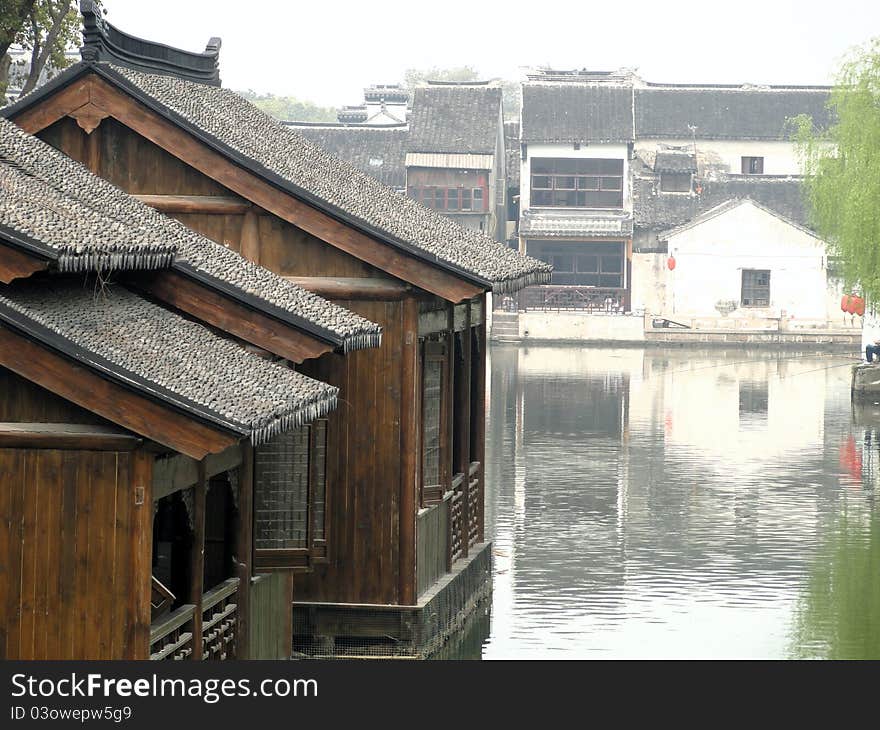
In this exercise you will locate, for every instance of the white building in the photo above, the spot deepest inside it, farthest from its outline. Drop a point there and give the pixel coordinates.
(743, 261)
(610, 164)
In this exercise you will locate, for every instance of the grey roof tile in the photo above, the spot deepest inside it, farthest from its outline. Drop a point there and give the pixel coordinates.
(376, 150)
(76, 235)
(658, 211)
(270, 148)
(460, 118)
(577, 112)
(757, 113)
(165, 356)
(559, 224)
(144, 228)
(673, 161)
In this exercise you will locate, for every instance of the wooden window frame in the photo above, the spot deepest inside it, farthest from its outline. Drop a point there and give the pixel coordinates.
(752, 289)
(752, 165)
(435, 350)
(316, 550)
(585, 188)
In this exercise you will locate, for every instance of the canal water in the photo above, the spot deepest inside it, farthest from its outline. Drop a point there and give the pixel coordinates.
(679, 503)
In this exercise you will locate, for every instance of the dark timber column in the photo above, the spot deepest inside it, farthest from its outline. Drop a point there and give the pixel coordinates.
(409, 450)
(464, 399)
(245, 548)
(138, 640)
(198, 558)
(479, 416)
(250, 237)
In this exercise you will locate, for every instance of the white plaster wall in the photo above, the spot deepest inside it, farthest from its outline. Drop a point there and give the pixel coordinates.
(550, 326)
(563, 151)
(710, 258)
(649, 282)
(780, 158)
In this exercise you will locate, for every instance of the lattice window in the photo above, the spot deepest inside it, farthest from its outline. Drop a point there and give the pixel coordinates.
(577, 183)
(290, 497)
(435, 446)
(755, 288)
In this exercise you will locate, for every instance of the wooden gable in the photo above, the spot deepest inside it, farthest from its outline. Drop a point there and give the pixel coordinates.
(90, 98)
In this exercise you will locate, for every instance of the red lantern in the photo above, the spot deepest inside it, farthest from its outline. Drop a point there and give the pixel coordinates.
(670, 263)
(858, 306)
(844, 303)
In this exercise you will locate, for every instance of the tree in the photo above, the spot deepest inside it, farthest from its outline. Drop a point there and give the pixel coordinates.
(289, 108)
(842, 165)
(46, 28)
(412, 77)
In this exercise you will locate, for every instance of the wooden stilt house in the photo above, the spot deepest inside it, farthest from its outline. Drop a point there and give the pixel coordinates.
(127, 431)
(406, 464)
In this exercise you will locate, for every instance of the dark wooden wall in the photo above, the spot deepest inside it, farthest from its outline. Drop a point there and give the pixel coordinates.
(142, 168)
(22, 401)
(74, 554)
(363, 470)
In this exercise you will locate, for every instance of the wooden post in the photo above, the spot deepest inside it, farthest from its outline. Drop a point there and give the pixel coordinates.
(409, 451)
(245, 548)
(250, 237)
(479, 420)
(449, 402)
(465, 425)
(93, 152)
(138, 640)
(197, 583)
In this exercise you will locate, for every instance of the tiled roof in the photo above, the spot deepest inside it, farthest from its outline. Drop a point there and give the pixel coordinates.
(672, 161)
(377, 151)
(74, 234)
(455, 118)
(659, 211)
(724, 207)
(570, 112)
(164, 356)
(139, 231)
(568, 224)
(756, 113)
(282, 155)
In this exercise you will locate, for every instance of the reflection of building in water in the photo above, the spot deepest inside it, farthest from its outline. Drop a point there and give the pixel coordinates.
(630, 482)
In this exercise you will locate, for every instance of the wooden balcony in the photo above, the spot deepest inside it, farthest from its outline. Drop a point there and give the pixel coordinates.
(448, 529)
(556, 298)
(171, 637)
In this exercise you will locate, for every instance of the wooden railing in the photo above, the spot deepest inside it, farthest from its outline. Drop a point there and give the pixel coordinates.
(581, 298)
(447, 530)
(219, 619)
(171, 637)
(475, 504)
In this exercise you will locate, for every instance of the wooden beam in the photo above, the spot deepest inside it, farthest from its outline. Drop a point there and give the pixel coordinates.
(138, 643)
(67, 436)
(245, 549)
(479, 417)
(410, 451)
(230, 316)
(173, 473)
(15, 264)
(206, 204)
(250, 237)
(82, 386)
(57, 106)
(193, 152)
(346, 288)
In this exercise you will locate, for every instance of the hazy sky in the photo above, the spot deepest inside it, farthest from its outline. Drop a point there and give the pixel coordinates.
(327, 51)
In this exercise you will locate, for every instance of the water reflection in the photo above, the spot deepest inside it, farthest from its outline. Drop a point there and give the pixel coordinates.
(672, 503)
